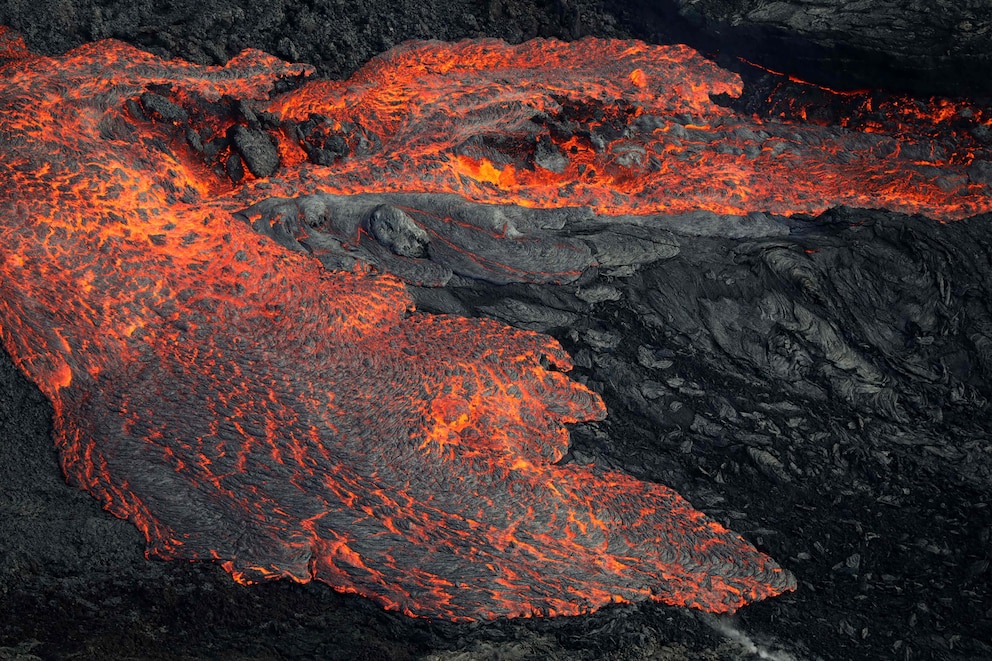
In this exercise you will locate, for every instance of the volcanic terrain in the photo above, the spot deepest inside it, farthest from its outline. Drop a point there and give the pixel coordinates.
(320, 329)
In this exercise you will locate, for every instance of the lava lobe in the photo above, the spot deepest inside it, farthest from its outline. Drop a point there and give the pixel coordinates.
(240, 402)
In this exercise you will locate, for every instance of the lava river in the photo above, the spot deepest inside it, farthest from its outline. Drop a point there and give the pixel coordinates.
(240, 402)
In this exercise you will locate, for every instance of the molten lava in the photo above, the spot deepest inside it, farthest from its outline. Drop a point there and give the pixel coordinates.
(240, 402)
(622, 127)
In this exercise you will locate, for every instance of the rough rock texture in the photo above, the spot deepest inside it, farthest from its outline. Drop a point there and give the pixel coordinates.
(843, 365)
(820, 384)
(337, 36)
(926, 46)
(884, 521)
(923, 46)
(425, 239)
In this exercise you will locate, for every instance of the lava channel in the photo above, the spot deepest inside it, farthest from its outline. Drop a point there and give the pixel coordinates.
(239, 402)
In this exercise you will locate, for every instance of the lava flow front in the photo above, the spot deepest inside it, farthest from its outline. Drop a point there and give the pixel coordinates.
(241, 402)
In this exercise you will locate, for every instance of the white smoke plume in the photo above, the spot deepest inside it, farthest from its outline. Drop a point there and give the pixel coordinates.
(726, 626)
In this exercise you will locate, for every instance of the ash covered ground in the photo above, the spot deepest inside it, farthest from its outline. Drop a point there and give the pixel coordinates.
(821, 388)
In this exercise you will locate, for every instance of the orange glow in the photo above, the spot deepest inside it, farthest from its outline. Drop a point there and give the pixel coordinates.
(636, 132)
(240, 403)
(796, 79)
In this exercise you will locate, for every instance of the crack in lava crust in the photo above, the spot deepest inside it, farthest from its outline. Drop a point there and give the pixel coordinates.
(239, 403)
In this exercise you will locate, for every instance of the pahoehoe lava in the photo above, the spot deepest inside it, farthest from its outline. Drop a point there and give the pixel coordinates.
(240, 402)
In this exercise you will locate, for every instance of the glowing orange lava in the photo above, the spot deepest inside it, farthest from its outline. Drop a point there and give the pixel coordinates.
(630, 129)
(238, 402)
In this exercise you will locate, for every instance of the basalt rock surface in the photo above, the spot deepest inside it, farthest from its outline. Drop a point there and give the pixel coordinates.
(337, 37)
(821, 388)
(926, 47)
(820, 384)
(241, 403)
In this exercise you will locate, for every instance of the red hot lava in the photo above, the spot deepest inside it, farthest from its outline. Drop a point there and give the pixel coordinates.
(239, 402)
(625, 128)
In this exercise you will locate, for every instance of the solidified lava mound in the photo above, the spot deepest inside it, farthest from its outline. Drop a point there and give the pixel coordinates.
(243, 403)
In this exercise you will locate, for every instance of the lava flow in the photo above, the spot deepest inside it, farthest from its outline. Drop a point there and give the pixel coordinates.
(240, 402)
(621, 127)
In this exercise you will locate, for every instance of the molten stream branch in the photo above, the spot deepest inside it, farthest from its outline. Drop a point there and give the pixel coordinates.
(240, 402)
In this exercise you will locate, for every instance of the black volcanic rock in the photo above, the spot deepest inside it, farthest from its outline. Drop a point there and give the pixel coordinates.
(822, 384)
(701, 394)
(337, 37)
(235, 168)
(256, 149)
(398, 232)
(161, 109)
(925, 47)
(842, 363)
(425, 238)
(929, 46)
